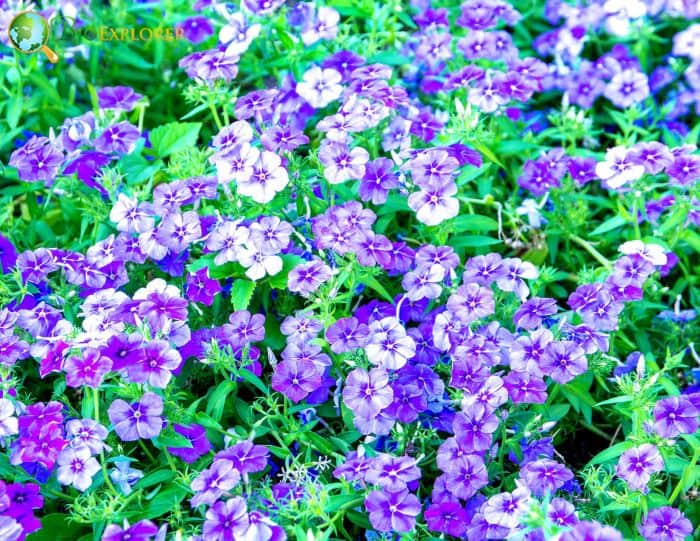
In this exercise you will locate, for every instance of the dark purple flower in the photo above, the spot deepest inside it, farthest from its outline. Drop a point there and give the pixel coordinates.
(582, 170)
(447, 517)
(196, 29)
(197, 436)
(201, 288)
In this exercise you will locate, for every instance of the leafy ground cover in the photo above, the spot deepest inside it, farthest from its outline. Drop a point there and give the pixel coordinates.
(351, 269)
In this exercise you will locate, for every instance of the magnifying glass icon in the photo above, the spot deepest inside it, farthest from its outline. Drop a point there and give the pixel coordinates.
(29, 32)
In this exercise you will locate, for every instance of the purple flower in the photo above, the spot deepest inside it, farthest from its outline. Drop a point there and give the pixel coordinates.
(120, 138)
(512, 274)
(636, 466)
(88, 370)
(388, 345)
(340, 163)
(465, 475)
(545, 476)
(591, 531)
(627, 88)
(308, 277)
(347, 334)
(424, 282)
(392, 511)
(447, 517)
(582, 170)
(675, 415)
(38, 159)
(8, 254)
(214, 482)
(367, 393)
(120, 98)
(483, 269)
(532, 312)
(76, 466)
(507, 508)
(378, 179)
(525, 388)
(196, 29)
(392, 473)
(201, 288)
(474, 427)
(471, 302)
(226, 521)
(178, 230)
(87, 433)
(296, 378)
(137, 420)
(563, 361)
(154, 363)
(246, 456)
(665, 524)
(197, 436)
(143, 530)
(685, 170)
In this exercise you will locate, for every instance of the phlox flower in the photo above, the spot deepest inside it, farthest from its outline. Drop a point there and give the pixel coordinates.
(388, 345)
(320, 87)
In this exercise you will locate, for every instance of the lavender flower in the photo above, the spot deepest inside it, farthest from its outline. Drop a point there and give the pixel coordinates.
(137, 420)
(76, 467)
(636, 465)
(665, 524)
(392, 511)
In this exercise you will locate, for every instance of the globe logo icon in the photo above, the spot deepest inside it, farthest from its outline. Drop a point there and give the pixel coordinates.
(29, 32)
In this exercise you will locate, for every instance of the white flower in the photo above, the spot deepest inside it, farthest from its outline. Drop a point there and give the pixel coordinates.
(258, 263)
(8, 422)
(653, 253)
(268, 178)
(617, 169)
(320, 86)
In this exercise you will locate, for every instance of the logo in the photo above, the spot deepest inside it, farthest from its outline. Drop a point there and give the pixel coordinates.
(29, 32)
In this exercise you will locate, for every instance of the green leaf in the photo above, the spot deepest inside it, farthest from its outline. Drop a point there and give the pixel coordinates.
(56, 527)
(173, 137)
(608, 225)
(474, 222)
(372, 283)
(216, 402)
(165, 501)
(14, 110)
(156, 478)
(611, 453)
(241, 293)
(474, 241)
(170, 438)
(675, 219)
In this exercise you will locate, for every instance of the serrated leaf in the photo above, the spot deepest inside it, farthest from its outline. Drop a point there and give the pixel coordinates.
(173, 137)
(241, 293)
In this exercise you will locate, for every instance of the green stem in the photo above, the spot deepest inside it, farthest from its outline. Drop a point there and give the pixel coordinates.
(600, 258)
(686, 472)
(145, 450)
(215, 114)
